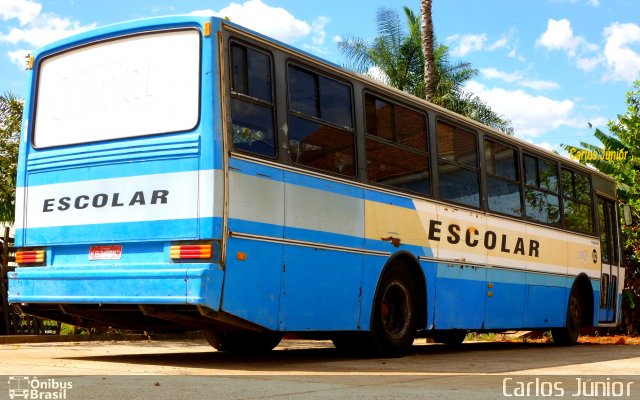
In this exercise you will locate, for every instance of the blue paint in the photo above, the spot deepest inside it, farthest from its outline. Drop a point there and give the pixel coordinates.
(180, 229)
(504, 309)
(460, 297)
(252, 287)
(140, 284)
(320, 290)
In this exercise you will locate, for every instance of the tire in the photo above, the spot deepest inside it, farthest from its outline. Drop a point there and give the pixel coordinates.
(452, 338)
(568, 335)
(393, 325)
(242, 342)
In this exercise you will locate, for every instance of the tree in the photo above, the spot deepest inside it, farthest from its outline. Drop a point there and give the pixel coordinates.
(624, 139)
(396, 58)
(11, 108)
(430, 78)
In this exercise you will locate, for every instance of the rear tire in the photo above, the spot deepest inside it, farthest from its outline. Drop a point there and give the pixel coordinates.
(242, 342)
(393, 326)
(568, 336)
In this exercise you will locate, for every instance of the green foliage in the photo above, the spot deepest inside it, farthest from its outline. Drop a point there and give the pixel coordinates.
(11, 109)
(397, 53)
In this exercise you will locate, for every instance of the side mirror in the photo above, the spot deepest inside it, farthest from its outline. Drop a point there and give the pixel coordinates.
(626, 214)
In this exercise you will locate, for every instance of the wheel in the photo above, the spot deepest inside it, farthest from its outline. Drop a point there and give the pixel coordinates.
(242, 342)
(451, 338)
(393, 324)
(568, 336)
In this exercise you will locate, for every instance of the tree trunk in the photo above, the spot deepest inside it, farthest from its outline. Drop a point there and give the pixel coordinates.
(430, 78)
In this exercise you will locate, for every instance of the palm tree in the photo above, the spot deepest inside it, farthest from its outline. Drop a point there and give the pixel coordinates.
(430, 74)
(396, 57)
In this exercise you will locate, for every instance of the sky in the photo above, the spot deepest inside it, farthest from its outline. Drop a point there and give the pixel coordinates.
(552, 67)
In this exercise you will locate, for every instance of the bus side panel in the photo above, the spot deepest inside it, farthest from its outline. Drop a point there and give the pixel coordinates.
(372, 266)
(460, 297)
(252, 281)
(430, 272)
(504, 307)
(256, 199)
(320, 289)
(546, 305)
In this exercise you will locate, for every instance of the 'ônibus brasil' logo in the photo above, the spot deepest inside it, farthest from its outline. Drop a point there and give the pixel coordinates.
(23, 387)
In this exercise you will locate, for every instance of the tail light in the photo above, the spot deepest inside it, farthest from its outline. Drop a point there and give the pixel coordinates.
(192, 251)
(30, 256)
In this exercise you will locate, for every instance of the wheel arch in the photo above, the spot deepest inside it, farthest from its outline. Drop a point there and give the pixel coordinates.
(582, 285)
(409, 261)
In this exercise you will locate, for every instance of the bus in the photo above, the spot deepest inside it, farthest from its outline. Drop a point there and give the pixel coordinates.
(187, 173)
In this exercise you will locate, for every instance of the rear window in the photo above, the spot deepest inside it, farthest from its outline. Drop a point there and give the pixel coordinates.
(133, 86)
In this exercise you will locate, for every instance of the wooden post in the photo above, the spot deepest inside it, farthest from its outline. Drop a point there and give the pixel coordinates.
(4, 287)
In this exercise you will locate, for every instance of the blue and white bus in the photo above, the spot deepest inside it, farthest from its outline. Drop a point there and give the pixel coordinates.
(187, 173)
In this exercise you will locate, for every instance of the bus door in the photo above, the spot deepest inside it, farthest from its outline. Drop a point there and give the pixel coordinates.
(610, 260)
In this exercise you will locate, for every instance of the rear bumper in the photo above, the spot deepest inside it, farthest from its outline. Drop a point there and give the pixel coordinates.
(167, 284)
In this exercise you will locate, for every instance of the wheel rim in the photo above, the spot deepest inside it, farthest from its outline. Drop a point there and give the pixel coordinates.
(396, 310)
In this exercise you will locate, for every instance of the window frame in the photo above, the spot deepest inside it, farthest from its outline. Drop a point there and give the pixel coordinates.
(250, 99)
(394, 142)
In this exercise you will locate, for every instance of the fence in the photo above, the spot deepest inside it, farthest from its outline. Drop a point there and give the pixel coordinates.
(12, 322)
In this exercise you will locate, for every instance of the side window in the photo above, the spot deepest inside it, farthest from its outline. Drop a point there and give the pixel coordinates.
(541, 190)
(321, 122)
(503, 180)
(396, 145)
(252, 105)
(458, 165)
(576, 201)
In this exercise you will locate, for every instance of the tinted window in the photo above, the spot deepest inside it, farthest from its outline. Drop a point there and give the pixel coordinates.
(457, 145)
(320, 120)
(541, 198)
(548, 175)
(321, 146)
(398, 167)
(457, 165)
(335, 102)
(396, 146)
(303, 92)
(320, 97)
(253, 128)
(252, 102)
(251, 73)
(542, 206)
(458, 184)
(411, 129)
(503, 184)
(501, 160)
(577, 205)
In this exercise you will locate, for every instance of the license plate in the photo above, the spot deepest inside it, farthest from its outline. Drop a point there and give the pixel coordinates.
(105, 253)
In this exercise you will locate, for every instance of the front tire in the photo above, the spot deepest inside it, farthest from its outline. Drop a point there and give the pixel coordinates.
(568, 336)
(242, 342)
